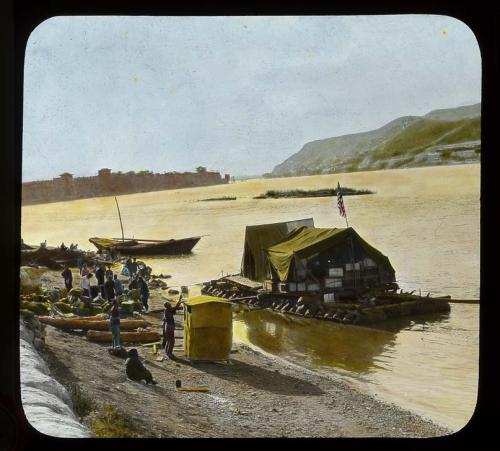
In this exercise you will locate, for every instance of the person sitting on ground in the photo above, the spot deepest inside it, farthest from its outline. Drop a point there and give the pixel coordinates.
(118, 285)
(143, 286)
(168, 327)
(135, 369)
(109, 289)
(114, 320)
(68, 278)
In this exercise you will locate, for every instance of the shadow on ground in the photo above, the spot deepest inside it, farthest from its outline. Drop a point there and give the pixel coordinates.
(261, 378)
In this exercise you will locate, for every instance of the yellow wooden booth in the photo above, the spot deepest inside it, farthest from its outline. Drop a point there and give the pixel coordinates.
(208, 328)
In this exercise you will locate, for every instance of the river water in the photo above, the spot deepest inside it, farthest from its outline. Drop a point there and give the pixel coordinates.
(426, 220)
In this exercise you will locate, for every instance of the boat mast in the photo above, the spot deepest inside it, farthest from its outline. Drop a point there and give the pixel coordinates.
(120, 216)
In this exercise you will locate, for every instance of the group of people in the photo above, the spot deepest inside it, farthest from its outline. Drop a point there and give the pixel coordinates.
(109, 286)
(63, 247)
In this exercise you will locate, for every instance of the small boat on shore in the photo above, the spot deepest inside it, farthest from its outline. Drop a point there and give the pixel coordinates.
(130, 246)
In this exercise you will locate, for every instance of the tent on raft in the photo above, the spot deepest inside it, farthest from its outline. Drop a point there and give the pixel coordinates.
(254, 263)
(306, 258)
(327, 258)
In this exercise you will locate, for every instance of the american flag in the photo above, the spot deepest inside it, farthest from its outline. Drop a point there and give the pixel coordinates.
(340, 202)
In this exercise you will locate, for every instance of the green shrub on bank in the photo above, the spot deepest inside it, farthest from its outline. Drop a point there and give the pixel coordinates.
(111, 424)
(325, 192)
(82, 405)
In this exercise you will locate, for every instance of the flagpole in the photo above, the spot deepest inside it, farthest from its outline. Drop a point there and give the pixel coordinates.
(343, 212)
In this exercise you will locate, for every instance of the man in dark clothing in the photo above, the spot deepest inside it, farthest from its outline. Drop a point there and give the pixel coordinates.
(114, 319)
(134, 266)
(168, 327)
(99, 274)
(109, 289)
(143, 286)
(68, 278)
(134, 284)
(128, 265)
(135, 369)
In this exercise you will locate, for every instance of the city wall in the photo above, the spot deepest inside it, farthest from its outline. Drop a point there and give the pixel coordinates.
(107, 183)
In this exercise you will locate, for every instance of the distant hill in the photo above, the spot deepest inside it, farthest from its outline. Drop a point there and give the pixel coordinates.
(455, 114)
(447, 136)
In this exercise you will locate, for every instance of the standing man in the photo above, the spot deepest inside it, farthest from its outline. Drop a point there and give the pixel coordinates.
(85, 284)
(109, 289)
(118, 285)
(68, 278)
(143, 286)
(84, 270)
(168, 327)
(114, 320)
(128, 265)
(134, 266)
(99, 274)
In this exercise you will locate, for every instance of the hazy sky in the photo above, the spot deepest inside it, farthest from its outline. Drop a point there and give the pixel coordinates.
(235, 94)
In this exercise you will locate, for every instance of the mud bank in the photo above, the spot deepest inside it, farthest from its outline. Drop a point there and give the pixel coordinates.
(253, 395)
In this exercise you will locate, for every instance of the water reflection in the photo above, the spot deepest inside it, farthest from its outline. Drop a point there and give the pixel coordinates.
(413, 323)
(318, 343)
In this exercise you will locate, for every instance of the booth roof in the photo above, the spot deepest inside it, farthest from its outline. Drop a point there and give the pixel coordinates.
(203, 299)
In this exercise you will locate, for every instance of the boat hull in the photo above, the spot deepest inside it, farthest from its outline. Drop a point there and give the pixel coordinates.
(170, 247)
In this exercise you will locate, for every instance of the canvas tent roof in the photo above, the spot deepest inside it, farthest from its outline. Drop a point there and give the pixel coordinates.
(304, 242)
(254, 263)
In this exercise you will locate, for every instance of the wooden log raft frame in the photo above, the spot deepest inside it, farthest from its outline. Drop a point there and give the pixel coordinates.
(84, 324)
(386, 305)
(125, 337)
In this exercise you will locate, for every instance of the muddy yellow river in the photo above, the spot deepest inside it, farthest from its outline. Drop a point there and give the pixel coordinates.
(425, 220)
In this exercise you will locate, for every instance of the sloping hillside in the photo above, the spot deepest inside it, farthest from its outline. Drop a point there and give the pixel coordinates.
(447, 136)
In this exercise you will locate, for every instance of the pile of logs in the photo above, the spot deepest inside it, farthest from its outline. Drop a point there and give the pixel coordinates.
(98, 329)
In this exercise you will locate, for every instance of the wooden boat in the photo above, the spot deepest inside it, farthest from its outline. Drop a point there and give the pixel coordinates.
(129, 246)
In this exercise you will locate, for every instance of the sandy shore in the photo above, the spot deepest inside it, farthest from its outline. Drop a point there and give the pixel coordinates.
(254, 395)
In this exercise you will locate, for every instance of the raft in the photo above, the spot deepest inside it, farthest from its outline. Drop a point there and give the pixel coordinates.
(85, 324)
(383, 306)
(125, 337)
